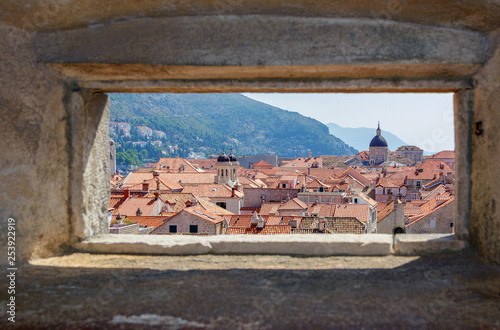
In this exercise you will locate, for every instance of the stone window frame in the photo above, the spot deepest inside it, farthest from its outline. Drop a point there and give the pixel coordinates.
(90, 70)
(345, 244)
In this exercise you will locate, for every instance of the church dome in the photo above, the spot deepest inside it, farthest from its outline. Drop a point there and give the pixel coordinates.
(232, 158)
(378, 141)
(223, 158)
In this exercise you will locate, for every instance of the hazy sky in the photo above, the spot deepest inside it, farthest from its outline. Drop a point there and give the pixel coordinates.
(425, 120)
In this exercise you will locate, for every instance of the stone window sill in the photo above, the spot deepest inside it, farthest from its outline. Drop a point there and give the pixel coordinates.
(303, 245)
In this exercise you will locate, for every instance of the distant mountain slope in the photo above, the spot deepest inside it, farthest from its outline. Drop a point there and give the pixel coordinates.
(209, 122)
(360, 138)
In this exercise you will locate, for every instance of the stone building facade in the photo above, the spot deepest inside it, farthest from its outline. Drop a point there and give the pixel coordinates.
(254, 197)
(441, 221)
(413, 153)
(392, 221)
(227, 169)
(192, 221)
(379, 149)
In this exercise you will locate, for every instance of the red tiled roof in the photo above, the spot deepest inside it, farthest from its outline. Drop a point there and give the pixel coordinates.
(174, 164)
(115, 202)
(355, 175)
(267, 230)
(203, 163)
(316, 183)
(358, 211)
(148, 221)
(130, 205)
(412, 210)
(211, 190)
(181, 178)
(429, 208)
(445, 154)
(262, 164)
(303, 162)
(269, 208)
(385, 211)
(321, 209)
(200, 213)
(294, 204)
(391, 182)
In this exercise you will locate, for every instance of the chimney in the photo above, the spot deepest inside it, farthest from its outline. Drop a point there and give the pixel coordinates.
(156, 173)
(145, 185)
(157, 195)
(262, 223)
(310, 155)
(157, 184)
(126, 193)
(255, 219)
(138, 212)
(321, 225)
(233, 190)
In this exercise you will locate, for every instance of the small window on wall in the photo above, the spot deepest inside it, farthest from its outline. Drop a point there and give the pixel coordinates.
(221, 204)
(172, 229)
(193, 229)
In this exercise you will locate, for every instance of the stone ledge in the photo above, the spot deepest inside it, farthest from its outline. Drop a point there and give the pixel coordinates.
(307, 245)
(420, 244)
(145, 244)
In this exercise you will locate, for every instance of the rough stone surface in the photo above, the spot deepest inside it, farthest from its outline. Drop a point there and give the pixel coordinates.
(484, 223)
(49, 15)
(417, 244)
(89, 118)
(250, 41)
(464, 108)
(145, 244)
(34, 174)
(447, 291)
(308, 245)
(52, 129)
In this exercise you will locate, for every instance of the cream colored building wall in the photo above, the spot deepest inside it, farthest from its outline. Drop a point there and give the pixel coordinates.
(441, 219)
(183, 220)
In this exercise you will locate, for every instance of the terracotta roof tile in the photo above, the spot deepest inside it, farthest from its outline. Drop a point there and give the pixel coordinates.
(267, 230)
(130, 205)
(294, 204)
(358, 211)
(429, 208)
(148, 221)
(211, 190)
(174, 164)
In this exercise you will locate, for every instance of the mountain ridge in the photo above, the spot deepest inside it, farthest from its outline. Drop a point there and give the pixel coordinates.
(360, 137)
(209, 122)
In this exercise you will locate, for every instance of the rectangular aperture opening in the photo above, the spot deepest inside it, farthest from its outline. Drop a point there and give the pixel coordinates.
(232, 164)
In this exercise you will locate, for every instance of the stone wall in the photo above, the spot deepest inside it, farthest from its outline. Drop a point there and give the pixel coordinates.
(35, 152)
(395, 219)
(53, 133)
(183, 220)
(252, 195)
(130, 229)
(484, 225)
(442, 218)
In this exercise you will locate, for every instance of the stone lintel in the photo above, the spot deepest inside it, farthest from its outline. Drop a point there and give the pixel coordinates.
(263, 41)
(280, 86)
